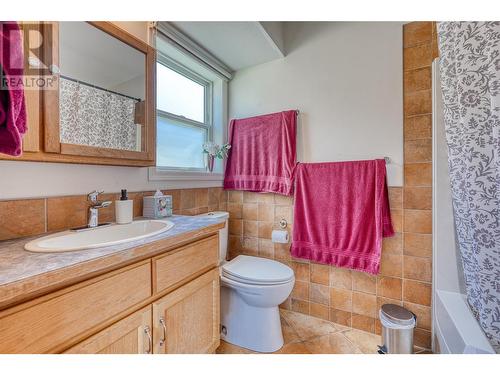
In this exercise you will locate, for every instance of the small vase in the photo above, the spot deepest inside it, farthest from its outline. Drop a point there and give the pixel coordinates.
(211, 162)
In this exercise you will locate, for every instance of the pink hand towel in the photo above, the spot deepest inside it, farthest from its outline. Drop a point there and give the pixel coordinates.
(12, 106)
(341, 213)
(262, 155)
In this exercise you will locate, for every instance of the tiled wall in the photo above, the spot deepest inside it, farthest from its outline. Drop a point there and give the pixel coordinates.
(348, 297)
(19, 218)
(420, 48)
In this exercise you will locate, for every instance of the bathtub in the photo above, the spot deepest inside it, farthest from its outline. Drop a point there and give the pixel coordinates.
(455, 329)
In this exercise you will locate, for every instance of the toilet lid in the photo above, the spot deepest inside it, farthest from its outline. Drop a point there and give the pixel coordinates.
(248, 269)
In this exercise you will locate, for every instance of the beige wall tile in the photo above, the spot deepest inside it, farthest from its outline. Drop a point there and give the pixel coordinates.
(214, 194)
(416, 57)
(341, 299)
(281, 251)
(363, 282)
(340, 278)
(396, 198)
(320, 274)
(235, 196)
(417, 127)
(397, 220)
(236, 227)
(422, 338)
(319, 311)
(66, 212)
(21, 218)
(418, 198)
(418, 151)
(250, 211)
(250, 197)
(301, 290)
(417, 33)
(418, 103)
(266, 248)
(418, 221)
(418, 174)
(187, 199)
(393, 245)
(364, 323)
(340, 317)
(364, 304)
(417, 268)
(301, 271)
(235, 210)
(201, 197)
(265, 229)
(417, 292)
(319, 293)
(417, 79)
(250, 228)
(300, 306)
(266, 198)
(391, 265)
(283, 212)
(266, 212)
(417, 244)
(423, 314)
(389, 287)
(250, 246)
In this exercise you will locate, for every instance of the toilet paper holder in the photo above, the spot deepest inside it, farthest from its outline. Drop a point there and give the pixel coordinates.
(283, 223)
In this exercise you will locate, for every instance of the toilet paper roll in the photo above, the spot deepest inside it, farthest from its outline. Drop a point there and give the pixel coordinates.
(279, 236)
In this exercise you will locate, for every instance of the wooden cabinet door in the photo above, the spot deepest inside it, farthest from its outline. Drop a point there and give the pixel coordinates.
(131, 335)
(187, 320)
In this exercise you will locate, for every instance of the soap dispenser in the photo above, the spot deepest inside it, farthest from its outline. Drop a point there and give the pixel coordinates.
(124, 209)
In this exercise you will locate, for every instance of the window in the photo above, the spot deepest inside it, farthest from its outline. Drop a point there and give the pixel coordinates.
(184, 116)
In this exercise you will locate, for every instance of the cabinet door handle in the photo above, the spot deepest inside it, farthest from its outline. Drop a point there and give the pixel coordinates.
(147, 331)
(162, 322)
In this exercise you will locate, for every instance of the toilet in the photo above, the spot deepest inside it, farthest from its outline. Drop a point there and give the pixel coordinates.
(252, 288)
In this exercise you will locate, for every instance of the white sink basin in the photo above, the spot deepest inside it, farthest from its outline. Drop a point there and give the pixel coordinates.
(99, 237)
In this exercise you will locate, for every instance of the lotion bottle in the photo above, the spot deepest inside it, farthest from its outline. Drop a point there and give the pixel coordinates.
(124, 209)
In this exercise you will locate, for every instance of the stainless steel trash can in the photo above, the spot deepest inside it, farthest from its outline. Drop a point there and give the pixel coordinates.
(398, 324)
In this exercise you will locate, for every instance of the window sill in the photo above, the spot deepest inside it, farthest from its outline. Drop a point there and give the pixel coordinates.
(160, 174)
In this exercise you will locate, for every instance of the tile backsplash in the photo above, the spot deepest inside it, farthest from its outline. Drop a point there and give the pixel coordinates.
(20, 218)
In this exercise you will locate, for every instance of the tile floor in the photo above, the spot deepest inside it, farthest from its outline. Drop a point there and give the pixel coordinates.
(304, 334)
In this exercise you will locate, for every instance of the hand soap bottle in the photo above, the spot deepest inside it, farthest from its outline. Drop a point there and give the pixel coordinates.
(124, 209)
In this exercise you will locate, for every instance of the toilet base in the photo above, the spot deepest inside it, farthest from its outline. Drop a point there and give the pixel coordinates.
(250, 327)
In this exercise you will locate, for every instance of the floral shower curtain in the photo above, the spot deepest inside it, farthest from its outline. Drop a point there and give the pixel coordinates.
(470, 80)
(93, 117)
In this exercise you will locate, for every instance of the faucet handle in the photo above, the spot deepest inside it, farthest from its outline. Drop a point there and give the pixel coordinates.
(93, 196)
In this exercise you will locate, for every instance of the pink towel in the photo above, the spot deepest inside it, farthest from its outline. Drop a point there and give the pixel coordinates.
(262, 154)
(12, 107)
(341, 213)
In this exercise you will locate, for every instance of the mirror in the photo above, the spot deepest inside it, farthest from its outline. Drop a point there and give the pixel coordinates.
(102, 89)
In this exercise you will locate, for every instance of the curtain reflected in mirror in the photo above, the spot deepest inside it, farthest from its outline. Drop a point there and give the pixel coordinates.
(101, 89)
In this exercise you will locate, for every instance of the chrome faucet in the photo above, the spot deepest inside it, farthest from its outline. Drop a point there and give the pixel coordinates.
(95, 205)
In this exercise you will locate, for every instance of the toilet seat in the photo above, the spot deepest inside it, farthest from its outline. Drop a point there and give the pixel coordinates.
(251, 270)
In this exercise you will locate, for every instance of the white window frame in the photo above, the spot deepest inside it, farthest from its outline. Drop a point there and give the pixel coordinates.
(185, 56)
(206, 125)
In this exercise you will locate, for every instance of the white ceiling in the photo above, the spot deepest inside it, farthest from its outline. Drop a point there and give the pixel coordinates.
(237, 44)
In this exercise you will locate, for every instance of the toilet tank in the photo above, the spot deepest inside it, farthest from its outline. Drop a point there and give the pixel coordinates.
(223, 233)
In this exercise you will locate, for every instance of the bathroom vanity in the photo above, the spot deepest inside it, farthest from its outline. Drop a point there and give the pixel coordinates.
(160, 295)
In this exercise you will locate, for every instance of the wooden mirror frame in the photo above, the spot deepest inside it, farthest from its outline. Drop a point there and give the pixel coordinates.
(42, 141)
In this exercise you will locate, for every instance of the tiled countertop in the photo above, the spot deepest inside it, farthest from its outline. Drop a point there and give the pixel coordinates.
(25, 272)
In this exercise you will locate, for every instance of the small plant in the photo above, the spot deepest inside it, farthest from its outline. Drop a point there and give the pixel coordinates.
(216, 151)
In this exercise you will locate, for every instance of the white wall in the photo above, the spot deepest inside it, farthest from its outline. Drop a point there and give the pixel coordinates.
(346, 80)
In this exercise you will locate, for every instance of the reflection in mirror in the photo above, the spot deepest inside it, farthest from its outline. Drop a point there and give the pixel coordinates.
(101, 89)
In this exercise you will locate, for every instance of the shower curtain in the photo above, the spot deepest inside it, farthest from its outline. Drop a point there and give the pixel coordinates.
(93, 117)
(470, 81)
